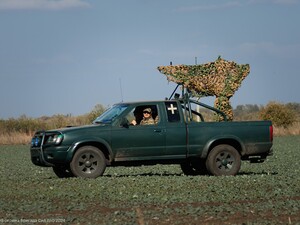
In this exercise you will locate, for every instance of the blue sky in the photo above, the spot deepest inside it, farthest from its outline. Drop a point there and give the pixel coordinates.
(66, 56)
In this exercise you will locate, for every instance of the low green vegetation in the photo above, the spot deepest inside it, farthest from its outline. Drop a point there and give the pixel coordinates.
(267, 193)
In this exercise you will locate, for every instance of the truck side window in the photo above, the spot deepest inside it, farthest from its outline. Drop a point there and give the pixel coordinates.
(137, 115)
(172, 112)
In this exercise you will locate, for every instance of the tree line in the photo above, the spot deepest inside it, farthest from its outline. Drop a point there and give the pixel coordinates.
(282, 115)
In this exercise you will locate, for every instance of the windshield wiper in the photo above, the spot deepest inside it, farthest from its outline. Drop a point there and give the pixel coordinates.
(97, 122)
(102, 122)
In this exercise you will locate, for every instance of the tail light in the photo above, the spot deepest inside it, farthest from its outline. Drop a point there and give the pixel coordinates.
(271, 132)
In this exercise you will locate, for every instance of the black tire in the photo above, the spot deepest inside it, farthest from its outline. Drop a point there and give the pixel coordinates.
(194, 167)
(88, 162)
(62, 171)
(223, 160)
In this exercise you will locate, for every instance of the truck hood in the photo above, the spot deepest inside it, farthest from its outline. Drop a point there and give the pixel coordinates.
(75, 128)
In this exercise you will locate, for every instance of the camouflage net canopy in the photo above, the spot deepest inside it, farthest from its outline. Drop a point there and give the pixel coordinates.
(220, 79)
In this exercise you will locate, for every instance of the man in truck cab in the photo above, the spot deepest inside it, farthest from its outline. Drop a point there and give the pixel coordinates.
(147, 118)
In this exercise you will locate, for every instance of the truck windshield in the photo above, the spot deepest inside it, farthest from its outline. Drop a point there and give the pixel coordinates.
(109, 115)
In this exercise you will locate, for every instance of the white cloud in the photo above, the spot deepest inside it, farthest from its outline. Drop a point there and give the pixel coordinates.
(203, 7)
(41, 4)
(282, 2)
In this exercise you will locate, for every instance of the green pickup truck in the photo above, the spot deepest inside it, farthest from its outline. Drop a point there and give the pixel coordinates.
(177, 134)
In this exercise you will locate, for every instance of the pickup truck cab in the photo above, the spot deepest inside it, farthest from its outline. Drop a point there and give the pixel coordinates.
(179, 135)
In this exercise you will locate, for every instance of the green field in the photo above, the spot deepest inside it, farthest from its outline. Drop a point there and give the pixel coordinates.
(267, 193)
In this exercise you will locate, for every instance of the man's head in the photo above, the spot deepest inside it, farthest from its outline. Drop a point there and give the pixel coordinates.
(147, 112)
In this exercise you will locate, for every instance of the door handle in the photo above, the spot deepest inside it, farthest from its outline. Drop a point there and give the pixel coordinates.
(157, 131)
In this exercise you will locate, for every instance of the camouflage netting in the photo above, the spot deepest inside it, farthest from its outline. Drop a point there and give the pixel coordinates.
(220, 79)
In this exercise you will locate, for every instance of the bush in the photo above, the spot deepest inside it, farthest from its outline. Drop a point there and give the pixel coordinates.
(280, 114)
(97, 111)
(23, 125)
(246, 112)
(28, 126)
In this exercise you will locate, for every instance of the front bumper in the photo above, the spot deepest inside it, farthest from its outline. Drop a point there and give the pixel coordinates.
(46, 155)
(37, 157)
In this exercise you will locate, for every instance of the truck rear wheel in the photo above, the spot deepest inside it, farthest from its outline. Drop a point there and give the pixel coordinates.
(223, 160)
(88, 162)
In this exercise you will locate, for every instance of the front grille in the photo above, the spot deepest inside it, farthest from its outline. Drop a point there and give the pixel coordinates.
(37, 139)
(37, 155)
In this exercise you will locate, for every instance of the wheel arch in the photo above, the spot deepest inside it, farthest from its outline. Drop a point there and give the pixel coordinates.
(232, 141)
(100, 144)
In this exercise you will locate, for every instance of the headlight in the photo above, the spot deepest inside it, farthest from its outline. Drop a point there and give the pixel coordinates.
(35, 142)
(55, 139)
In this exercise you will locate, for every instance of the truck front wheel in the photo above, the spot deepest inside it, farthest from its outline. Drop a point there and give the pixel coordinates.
(62, 172)
(194, 167)
(223, 160)
(88, 162)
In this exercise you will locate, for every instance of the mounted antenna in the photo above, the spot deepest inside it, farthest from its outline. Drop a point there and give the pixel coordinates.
(120, 81)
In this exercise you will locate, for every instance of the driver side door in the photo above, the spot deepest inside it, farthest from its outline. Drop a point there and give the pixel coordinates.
(139, 142)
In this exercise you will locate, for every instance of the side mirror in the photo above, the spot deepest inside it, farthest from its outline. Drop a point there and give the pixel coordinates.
(124, 123)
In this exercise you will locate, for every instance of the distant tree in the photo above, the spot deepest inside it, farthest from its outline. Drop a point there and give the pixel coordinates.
(246, 112)
(252, 108)
(59, 121)
(97, 111)
(279, 114)
(294, 106)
